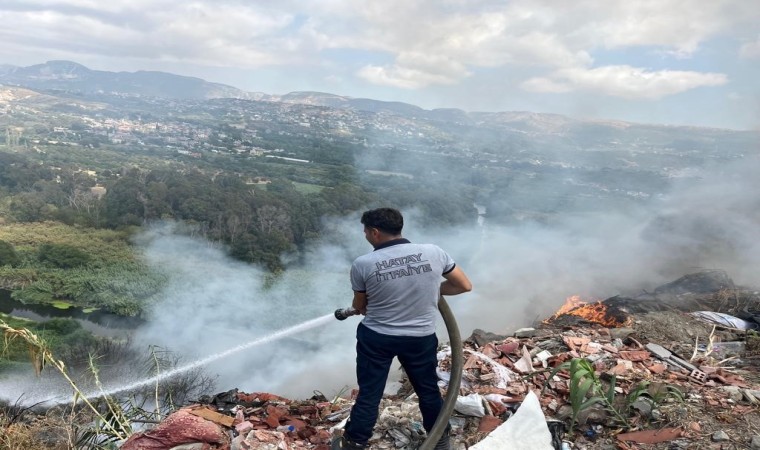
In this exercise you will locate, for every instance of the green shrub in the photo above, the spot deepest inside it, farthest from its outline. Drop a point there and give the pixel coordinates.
(62, 256)
(61, 326)
(8, 256)
(39, 292)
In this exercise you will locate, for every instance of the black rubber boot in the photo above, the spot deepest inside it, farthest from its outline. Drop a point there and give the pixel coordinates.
(444, 443)
(341, 443)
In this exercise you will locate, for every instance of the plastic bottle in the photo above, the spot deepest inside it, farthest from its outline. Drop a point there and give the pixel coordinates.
(286, 428)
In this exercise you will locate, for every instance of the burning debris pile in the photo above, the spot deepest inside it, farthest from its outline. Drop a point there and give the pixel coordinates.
(576, 311)
(620, 373)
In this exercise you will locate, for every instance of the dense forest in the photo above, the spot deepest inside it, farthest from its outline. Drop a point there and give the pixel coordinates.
(259, 221)
(256, 217)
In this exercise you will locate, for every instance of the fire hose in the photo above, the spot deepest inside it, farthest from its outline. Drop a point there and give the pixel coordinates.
(457, 361)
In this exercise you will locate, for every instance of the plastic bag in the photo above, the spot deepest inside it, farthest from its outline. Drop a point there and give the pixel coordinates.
(470, 405)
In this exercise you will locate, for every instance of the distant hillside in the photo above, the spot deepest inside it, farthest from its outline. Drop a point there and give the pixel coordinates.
(508, 128)
(72, 77)
(370, 105)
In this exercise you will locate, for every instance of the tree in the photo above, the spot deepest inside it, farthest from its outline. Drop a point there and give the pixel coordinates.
(342, 174)
(8, 255)
(122, 202)
(345, 198)
(31, 207)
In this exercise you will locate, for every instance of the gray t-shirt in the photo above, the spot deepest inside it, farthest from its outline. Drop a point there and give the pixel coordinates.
(402, 282)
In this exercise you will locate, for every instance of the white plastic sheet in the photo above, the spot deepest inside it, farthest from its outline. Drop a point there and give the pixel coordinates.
(724, 320)
(525, 430)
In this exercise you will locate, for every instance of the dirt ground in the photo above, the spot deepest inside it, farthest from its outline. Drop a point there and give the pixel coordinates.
(706, 409)
(676, 330)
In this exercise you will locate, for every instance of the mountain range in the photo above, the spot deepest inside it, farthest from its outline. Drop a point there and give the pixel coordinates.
(74, 78)
(71, 79)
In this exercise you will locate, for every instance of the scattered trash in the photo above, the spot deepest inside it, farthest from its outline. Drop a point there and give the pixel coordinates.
(514, 392)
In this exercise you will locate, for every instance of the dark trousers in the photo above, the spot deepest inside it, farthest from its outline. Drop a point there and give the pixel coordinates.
(374, 354)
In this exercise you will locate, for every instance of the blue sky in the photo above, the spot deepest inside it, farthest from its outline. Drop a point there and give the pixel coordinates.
(681, 62)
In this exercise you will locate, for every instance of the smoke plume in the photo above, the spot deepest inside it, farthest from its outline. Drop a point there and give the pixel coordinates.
(521, 272)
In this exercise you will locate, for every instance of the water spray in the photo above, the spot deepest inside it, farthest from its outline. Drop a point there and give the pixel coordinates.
(202, 362)
(457, 361)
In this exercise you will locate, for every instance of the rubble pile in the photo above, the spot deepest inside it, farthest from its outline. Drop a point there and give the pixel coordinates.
(654, 377)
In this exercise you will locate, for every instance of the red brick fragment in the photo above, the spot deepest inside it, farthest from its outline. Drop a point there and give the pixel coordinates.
(298, 424)
(635, 355)
(620, 369)
(307, 410)
(575, 343)
(307, 433)
(509, 348)
(274, 414)
(610, 348)
(488, 424)
(491, 351)
(498, 408)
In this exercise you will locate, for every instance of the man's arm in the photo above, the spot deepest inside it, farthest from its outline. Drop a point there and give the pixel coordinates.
(456, 283)
(360, 302)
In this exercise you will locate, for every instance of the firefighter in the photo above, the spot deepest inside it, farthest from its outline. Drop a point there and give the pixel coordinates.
(397, 287)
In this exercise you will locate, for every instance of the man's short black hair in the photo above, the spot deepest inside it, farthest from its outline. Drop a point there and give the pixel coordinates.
(387, 220)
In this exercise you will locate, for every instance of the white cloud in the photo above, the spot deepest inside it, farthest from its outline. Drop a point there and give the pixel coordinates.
(414, 70)
(678, 26)
(202, 33)
(402, 77)
(393, 42)
(545, 85)
(624, 81)
(750, 50)
(542, 34)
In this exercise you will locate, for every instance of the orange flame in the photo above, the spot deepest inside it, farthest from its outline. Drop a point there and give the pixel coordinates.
(596, 312)
(571, 303)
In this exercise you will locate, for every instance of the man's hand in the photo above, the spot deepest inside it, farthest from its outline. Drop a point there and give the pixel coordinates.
(456, 283)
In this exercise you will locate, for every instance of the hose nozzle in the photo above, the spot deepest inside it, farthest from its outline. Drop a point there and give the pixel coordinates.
(345, 313)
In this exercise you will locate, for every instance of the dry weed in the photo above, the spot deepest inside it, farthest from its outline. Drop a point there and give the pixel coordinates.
(24, 436)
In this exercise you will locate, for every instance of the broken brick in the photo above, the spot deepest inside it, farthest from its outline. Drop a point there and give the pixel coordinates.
(635, 355)
(488, 424)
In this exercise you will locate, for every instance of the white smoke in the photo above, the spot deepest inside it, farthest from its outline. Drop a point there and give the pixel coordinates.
(213, 303)
(520, 273)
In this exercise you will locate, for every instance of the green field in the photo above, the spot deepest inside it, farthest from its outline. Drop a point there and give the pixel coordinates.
(306, 188)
